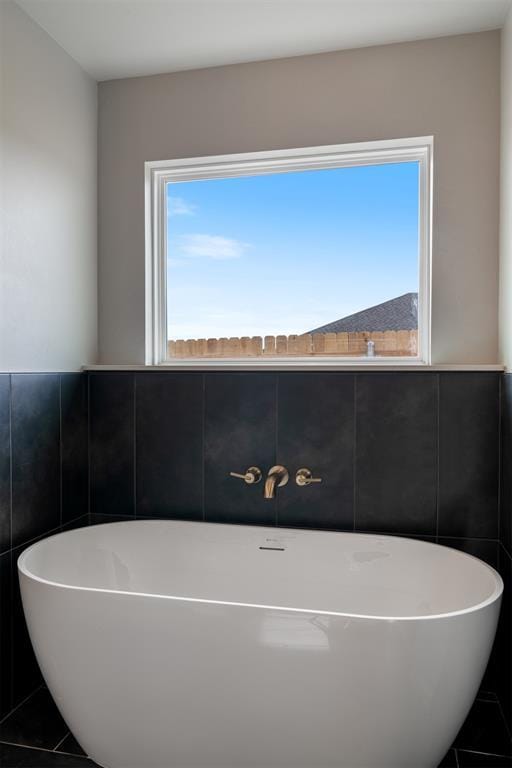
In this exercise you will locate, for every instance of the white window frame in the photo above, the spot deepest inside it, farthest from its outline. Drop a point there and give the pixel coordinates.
(159, 173)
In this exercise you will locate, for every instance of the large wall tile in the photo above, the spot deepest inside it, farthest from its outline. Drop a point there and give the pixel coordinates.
(79, 522)
(12, 756)
(5, 633)
(5, 463)
(112, 443)
(468, 454)
(485, 549)
(315, 429)
(504, 640)
(35, 455)
(98, 519)
(240, 431)
(396, 452)
(503, 645)
(74, 447)
(506, 463)
(26, 675)
(169, 445)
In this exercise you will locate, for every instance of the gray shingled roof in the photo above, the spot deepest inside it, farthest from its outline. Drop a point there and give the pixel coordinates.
(400, 314)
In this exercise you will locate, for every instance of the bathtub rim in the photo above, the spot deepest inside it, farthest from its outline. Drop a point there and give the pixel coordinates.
(495, 595)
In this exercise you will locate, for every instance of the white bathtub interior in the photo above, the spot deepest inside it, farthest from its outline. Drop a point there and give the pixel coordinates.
(356, 575)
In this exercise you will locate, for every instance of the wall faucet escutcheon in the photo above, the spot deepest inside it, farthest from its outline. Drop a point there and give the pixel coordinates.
(304, 477)
(251, 477)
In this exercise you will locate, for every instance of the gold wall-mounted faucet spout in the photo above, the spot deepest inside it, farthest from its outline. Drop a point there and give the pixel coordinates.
(277, 476)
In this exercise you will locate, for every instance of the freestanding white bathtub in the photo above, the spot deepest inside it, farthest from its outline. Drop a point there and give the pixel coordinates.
(173, 644)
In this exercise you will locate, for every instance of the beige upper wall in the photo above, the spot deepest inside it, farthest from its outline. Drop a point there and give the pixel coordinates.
(447, 87)
(506, 196)
(48, 201)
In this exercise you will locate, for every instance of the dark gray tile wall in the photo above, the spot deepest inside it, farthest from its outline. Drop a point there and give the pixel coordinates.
(5, 634)
(408, 453)
(74, 446)
(43, 487)
(506, 465)
(169, 458)
(112, 446)
(239, 432)
(504, 640)
(35, 468)
(315, 429)
(468, 425)
(503, 650)
(5, 463)
(396, 453)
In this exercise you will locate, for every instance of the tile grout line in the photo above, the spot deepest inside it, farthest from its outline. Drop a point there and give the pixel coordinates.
(487, 754)
(79, 517)
(413, 533)
(471, 538)
(61, 741)
(504, 719)
(42, 536)
(24, 701)
(509, 554)
(43, 749)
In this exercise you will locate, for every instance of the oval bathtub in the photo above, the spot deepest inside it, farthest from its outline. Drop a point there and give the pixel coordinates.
(190, 645)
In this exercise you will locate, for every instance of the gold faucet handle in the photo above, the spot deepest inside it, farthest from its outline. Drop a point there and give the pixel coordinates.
(251, 477)
(305, 477)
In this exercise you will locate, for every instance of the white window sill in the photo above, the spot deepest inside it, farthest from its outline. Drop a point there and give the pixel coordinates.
(319, 364)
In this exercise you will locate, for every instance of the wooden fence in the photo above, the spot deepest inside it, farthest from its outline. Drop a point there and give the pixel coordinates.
(386, 343)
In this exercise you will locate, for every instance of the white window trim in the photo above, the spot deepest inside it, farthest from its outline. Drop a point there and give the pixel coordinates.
(159, 173)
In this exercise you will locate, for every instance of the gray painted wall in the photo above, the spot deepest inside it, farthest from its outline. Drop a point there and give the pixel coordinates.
(448, 87)
(48, 203)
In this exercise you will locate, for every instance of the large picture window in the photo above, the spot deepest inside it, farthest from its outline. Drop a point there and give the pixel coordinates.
(316, 256)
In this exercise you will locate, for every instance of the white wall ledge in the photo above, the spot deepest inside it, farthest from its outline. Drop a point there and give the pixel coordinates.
(200, 366)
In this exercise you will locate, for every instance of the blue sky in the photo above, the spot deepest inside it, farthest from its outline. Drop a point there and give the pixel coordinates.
(287, 252)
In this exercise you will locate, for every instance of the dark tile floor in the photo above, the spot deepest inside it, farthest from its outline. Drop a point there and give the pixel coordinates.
(12, 756)
(34, 735)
